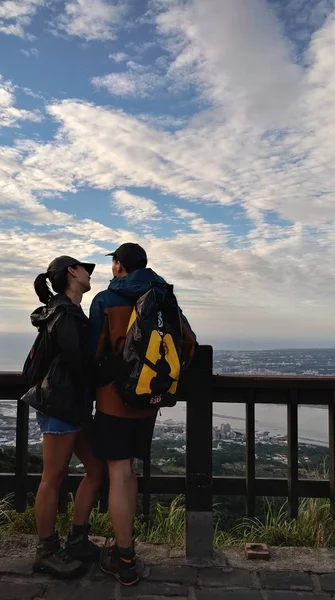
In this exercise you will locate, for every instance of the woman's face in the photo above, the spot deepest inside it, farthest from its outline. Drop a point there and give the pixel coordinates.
(83, 278)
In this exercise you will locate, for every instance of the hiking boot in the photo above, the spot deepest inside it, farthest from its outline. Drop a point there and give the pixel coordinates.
(123, 569)
(51, 558)
(79, 547)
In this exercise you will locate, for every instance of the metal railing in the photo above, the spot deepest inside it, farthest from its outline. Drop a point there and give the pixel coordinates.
(200, 388)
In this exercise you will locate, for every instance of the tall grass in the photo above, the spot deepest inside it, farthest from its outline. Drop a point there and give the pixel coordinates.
(313, 528)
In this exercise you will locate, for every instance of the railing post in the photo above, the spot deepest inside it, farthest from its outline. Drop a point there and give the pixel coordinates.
(199, 417)
(331, 423)
(21, 456)
(250, 454)
(292, 438)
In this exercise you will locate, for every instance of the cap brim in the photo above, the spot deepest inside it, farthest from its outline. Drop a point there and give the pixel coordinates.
(110, 254)
(89, 267)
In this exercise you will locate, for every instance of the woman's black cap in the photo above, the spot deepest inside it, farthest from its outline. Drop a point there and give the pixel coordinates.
(63, 262)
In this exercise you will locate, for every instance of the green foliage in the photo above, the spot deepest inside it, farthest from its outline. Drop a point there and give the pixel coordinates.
(7, 461)
(313, 528)
(166, 525)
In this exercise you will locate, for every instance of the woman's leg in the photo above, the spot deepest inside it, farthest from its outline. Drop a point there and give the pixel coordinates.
(89, 487)
(57, 452)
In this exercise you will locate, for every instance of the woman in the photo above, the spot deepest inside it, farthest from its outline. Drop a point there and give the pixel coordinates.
(58, 371)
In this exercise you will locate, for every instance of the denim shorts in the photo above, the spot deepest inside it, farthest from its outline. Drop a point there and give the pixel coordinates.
(52, 425)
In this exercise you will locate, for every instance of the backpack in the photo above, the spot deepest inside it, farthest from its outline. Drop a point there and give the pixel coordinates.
(40, 354)
(148, 367)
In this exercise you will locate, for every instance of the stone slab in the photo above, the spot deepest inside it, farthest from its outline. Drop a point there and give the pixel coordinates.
(17, 566)
(223, 594)
(184, 575)
(327, 581)
(81, 590)
(20, 591)
(159, 597)
(64, 590)
(286, 580)
(147, 588)
(215, 577)
(296, 596)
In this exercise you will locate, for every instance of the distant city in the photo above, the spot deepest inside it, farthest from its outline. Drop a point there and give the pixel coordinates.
(229, 419)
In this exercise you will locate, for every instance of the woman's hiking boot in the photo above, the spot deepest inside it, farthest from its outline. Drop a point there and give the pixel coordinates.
(79, 547)
(51, 558)
(121, 566)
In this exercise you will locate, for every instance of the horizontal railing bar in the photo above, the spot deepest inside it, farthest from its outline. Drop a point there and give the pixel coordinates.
(227, 388)
(316, 382)
(175, 484)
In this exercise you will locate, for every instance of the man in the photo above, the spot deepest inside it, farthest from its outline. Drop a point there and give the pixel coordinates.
(123, 433)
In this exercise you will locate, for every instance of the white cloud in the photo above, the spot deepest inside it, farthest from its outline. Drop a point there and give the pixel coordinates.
(134, 82)
(118, 57)
(91, 19)
(9, 114)
(16, 16)
(30, 52)
(183, 213)
(242, 151)
(232, 50)
(135, 209)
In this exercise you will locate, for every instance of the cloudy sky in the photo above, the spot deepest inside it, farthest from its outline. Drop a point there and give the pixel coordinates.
(203, 130)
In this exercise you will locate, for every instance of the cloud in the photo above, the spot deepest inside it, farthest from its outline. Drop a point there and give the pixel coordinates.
(137, 81)
(118, 57)
(232, 50)
(91, 19)
(30, 52)
(16, 16)
(239, 152)
(183, 213)
(9, 114)
(135, 209)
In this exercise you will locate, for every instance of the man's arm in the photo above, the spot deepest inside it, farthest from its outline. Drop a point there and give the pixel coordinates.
(189, 338)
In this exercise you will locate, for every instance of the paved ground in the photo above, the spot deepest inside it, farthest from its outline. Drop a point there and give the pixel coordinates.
(166, 575)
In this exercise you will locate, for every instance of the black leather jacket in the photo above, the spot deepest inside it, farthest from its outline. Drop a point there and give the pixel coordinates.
(63, 384)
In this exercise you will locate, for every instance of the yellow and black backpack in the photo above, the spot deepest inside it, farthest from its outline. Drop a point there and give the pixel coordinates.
(148, 368)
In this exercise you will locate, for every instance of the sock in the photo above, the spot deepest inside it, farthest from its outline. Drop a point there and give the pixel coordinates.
(77, 530)
(50, 538)
(126, 553)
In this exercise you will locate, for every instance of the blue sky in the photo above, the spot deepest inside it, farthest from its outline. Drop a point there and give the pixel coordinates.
(202, 130)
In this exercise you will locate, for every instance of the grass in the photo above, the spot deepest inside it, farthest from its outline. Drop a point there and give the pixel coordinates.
(313, 528)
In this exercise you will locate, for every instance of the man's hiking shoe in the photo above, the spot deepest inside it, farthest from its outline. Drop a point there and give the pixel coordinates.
(124, 570)
(79, 547)
(51, 558)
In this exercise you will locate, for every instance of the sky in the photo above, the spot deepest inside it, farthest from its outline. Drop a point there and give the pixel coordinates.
(203, 130)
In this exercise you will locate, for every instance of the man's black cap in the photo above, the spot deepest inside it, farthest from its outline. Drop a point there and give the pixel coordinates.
(63, 262)
(131, 256)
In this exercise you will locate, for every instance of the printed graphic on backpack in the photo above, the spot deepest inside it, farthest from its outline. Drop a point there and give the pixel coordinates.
(152, 360)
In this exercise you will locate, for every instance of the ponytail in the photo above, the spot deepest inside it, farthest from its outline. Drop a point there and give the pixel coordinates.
(42, 288)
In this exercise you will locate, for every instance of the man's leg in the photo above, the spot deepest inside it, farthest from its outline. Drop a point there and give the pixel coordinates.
(122, 500)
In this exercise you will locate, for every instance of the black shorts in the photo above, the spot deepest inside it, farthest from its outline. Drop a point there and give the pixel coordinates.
(118, 438)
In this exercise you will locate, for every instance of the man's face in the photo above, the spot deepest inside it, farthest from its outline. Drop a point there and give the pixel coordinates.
(117, 268)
